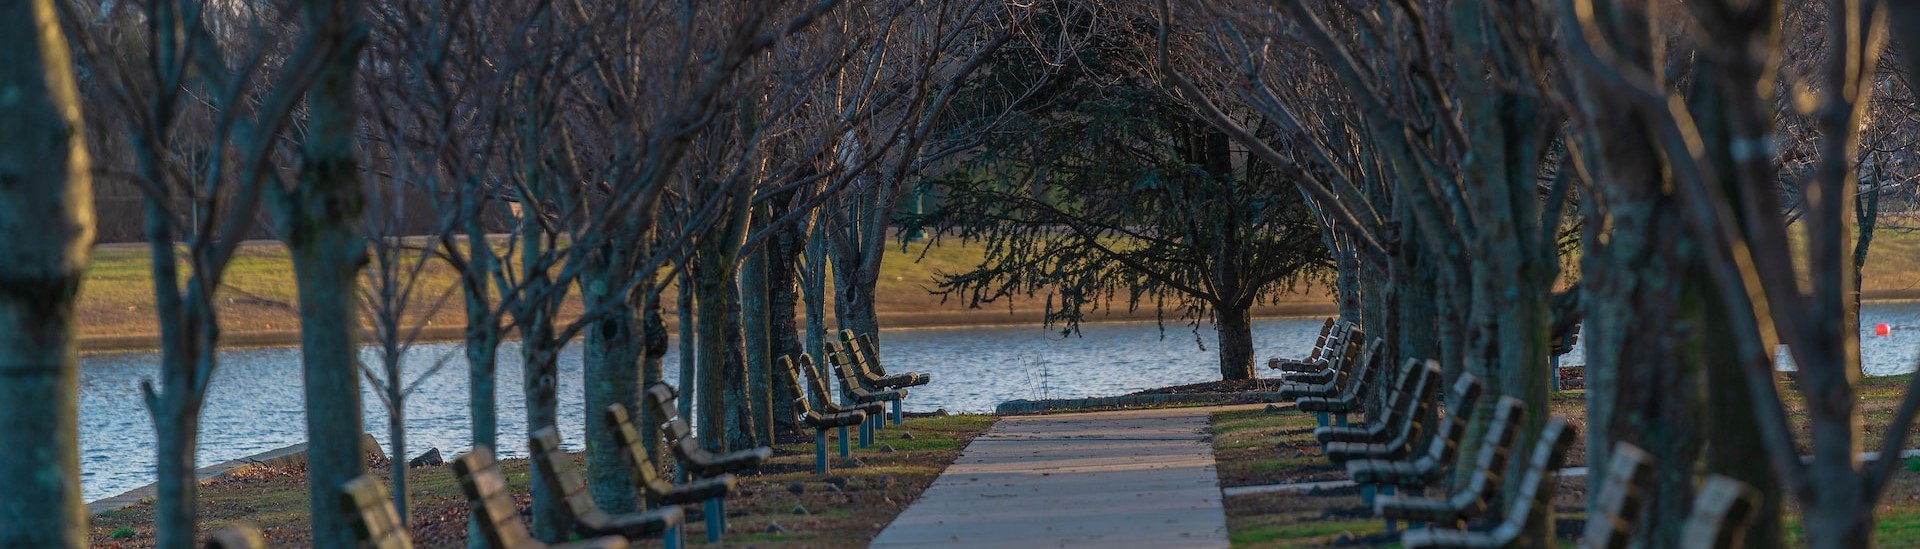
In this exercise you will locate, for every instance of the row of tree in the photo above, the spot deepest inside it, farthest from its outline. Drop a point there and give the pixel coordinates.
(1660, 165)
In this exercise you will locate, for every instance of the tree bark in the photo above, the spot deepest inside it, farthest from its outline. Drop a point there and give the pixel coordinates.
(684, 308)
(320, 220)
(610, 364)
(46, 230)
(1235, 325)
(758, 350)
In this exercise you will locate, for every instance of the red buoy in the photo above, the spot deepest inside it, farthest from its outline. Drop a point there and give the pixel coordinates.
(1882, 330)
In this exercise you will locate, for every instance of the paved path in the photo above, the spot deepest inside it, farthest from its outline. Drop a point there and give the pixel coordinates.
(1107, 479)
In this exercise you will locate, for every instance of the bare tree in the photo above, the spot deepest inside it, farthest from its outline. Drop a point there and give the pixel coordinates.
(200, 99)
(46, 228)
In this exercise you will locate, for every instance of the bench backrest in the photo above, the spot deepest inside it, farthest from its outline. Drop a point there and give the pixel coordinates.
(1447, 436)
(816, 380)
(563, 479)
(802, 406)
(1490, 464)
(837, 359)
(370, 511)
(1720, 514)
(488, 498)
(1416, 407)
(860, 357)
(1530, 509)
(679, 435)
(634, 453)
(865, 352)
(1622, 492)
(1360, 379)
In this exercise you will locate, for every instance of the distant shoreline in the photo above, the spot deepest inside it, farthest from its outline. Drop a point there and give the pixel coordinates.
(978, 318)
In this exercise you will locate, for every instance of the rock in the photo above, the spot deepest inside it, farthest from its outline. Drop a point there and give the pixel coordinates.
(1297, 454)
(1345, 538)
(797, 488)
(1271, 409)
(775, 528)
(852, 462)
(429, 459)
(801, 510)
(836, 482)
(906, 435)
(940, 413)
(884, 482)
(887, 448)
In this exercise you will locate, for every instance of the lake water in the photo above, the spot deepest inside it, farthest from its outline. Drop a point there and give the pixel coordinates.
(255, 400)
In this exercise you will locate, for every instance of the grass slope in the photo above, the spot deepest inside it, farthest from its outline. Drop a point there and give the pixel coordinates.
(276, 499)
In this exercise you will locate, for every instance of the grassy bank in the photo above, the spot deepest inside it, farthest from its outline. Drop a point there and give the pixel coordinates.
(765, 512)
(1253, 447)
(256, 302)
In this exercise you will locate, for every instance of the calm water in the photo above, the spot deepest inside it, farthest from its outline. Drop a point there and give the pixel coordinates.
(255, 403)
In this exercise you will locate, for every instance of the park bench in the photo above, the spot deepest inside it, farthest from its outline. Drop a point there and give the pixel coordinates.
(1530, 509)
(648, 481)
(499, 520)
(1409, 416)
(1721, 511)
(1470, 499)
(1337, 356)
(1388, 476)
(823, 395)
(1425, 469)
(576, 502)
(1379, 427)
(241, 536)
(1622, 492)
(853, 389)
(1311, 362)
(1325, 383)
(1315, 354)
(687, 452)
(696, 461)
(375, 523)
(866, 362)
(1352, 390)
(820, 422)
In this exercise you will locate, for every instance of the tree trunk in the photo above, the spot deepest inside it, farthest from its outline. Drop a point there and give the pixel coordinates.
(541, 375)
(813, 290)
(711, 287)
(174, 504)
(783, 298)
(610, 364)
(46, 229)
(758, 350)
(654, 346)
(397, 439)
(320, 220)
(1236, 342)
(689, 372)
(741, 409)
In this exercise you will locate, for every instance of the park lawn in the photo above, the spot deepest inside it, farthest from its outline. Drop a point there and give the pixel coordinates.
(276, 499)
(116, 300)
(1256, 447)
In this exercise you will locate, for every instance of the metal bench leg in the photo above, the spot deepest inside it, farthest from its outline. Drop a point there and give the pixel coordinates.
(820, 451)
(843, 441)
(882, 423)
(1320, 417)
(716, 517)
(896, 412)
(1366, 495)
(671, 539)
(1342, 420)
(1392, 524)
(866, 433)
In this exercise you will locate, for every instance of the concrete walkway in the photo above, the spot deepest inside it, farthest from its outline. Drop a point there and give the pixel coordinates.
(1139, 478)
